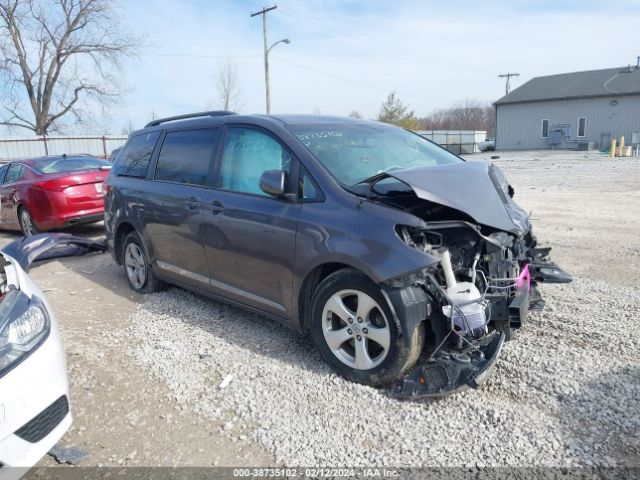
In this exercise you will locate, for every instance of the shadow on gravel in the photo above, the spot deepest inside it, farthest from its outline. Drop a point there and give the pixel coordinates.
(606, 413)
(249, 331)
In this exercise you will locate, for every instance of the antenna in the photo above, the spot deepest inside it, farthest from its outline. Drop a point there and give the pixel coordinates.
(508, 76)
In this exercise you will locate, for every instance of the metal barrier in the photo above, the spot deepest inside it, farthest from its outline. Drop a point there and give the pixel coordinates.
(100, 146)
(456, 141)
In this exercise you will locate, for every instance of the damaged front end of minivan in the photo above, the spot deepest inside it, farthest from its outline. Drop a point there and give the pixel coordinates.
(483, 281)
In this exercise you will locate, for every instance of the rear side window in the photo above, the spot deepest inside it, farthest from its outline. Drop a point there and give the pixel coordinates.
(14, 174)
(186, 155)
(247, 154)
(134, 159)
(3, 171)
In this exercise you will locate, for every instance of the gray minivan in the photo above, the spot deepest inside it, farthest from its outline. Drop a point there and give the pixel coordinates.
(407, 265)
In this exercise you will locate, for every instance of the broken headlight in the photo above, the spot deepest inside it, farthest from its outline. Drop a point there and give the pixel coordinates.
(24, 325)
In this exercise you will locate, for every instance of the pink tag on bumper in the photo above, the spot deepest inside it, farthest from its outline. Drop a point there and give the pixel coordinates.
(525, 277)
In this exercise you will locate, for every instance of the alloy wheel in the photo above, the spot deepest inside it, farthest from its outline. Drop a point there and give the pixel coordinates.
(356, 329)
(135, 265)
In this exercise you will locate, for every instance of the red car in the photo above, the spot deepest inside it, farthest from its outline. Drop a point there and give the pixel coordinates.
(53, 192)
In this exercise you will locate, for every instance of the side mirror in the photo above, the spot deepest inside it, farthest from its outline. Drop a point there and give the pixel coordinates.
(274, 183)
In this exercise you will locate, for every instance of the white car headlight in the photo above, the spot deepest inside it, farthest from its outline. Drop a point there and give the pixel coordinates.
(24, 324)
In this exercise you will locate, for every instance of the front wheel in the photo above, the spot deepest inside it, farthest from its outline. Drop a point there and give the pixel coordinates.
(354, 331)
(137, 267)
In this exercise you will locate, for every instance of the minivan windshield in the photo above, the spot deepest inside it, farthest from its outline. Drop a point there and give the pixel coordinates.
(355, 152)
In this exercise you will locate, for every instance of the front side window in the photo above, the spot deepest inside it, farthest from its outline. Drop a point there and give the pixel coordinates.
(355, 152)
(14, 174)
(186, 155)
(582, 127)
(545, 129)
(134, 159)
(308, 191)
(247, 154)
(3, 171)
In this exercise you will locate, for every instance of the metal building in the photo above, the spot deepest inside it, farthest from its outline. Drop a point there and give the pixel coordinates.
(577, 110)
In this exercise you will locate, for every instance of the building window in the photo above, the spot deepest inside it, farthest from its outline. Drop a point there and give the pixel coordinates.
(545, 129)
(582, 127)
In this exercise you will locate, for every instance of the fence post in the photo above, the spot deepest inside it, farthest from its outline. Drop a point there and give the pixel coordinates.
(104, 146)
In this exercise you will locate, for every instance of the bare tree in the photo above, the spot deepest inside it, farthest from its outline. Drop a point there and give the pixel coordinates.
(467, 114)
(56, 57)
(229, 86)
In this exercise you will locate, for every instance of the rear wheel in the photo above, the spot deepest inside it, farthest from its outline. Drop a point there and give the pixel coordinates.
(27, 225)
(137, 267)
(354, 331)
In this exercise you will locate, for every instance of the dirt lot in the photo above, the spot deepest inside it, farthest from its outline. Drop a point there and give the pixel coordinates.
(145, 371)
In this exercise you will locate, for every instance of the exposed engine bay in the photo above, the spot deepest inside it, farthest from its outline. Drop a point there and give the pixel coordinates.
(483, 284)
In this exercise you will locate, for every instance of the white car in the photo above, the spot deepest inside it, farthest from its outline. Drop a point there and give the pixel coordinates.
(34, 390)
(487, 145)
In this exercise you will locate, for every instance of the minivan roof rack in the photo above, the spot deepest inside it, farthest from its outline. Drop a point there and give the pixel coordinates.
(213, 113)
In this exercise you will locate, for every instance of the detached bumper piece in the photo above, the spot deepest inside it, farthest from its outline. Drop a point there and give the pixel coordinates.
(46, 246)
(44, 423)
(544, 270)
(451, 372)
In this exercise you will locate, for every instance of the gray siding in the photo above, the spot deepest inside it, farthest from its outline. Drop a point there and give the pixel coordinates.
(518, 125)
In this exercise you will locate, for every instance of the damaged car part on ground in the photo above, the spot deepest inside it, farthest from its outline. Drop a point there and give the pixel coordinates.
(408, 266)
(34, 390)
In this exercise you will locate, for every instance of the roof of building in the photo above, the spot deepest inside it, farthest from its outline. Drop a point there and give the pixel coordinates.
(592, 83)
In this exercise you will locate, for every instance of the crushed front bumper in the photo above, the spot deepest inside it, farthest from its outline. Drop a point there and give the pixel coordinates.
(451, 372)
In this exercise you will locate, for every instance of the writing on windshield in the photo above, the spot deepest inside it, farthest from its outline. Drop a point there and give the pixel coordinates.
(354, 152)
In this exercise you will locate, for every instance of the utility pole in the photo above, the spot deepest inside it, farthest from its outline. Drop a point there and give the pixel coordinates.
(263, 12)
(508, 76)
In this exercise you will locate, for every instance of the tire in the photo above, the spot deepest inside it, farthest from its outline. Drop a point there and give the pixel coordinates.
(365, 350)
(137, 268)
(27, 224)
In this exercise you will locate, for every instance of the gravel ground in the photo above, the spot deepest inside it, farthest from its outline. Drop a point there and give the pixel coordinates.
(565, 392)
(145, 371)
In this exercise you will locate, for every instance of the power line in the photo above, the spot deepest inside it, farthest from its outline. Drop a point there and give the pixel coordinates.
(301, 67)
(197, 55)
(379, 46)
(357, 82)
(508, 76)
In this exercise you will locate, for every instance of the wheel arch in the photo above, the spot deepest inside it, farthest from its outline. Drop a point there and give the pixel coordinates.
(124, 229)
(310, 284)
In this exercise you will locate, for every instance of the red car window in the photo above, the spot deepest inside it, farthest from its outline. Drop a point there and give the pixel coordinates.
(15, 173)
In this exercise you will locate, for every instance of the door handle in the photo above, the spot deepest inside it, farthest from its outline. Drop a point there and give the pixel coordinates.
(192, 203)
(217, 207)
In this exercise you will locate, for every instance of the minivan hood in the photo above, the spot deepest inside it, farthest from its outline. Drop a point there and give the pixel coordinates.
(477, 188)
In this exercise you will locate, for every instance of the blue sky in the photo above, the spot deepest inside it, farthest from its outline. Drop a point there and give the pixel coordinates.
(348, 55)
